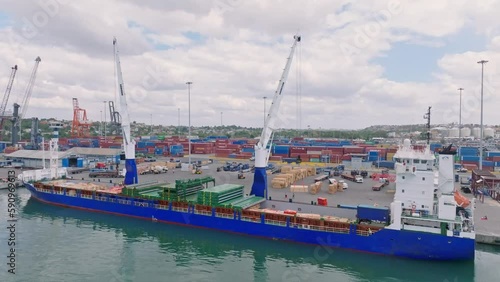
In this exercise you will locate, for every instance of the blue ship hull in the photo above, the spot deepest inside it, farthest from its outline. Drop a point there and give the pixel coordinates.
(409, 244)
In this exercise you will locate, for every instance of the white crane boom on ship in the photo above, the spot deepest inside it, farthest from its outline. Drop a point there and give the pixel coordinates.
(259, 187)
(128, 141)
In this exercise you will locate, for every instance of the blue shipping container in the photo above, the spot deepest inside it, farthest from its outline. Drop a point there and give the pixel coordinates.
(373, 213)
(488, 163)
(79, 162)
(470, 158)
(65, 162)
(493, 154)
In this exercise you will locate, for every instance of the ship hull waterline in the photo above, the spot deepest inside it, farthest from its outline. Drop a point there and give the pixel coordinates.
(407, 244)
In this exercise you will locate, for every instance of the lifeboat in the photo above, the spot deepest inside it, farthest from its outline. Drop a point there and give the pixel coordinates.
(461, 200)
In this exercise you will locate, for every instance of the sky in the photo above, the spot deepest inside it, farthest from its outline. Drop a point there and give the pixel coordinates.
(359, 63)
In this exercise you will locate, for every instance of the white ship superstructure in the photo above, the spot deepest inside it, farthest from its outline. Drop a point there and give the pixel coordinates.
(425, 198)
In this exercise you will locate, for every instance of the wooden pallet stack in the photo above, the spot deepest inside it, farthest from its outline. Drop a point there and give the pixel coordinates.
(315, 188)
(299, 188)
(333, 188)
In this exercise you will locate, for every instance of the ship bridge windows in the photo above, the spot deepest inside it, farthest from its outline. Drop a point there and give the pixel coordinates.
(416, 161)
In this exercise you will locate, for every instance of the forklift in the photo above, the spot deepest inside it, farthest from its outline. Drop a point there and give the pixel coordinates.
(241, 175)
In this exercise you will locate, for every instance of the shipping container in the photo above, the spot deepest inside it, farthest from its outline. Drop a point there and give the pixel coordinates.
(470, 158)
(493, 154)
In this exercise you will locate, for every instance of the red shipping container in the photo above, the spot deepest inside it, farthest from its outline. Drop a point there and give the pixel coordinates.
(281, 155)
(353, 150)
(275, 158)
(322, 201)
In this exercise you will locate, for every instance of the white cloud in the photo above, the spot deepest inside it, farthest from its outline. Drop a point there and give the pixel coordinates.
(241, 57)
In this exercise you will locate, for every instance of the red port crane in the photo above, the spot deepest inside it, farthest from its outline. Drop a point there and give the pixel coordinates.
(81, 125)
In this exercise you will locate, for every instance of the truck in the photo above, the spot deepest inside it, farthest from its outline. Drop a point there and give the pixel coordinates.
(106, 174)
(348, 176)
(77, 170)
(381, 184)
(358, 179)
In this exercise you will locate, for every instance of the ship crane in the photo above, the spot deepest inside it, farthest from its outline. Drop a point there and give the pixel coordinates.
(259, 187)
(128, 142)
(16, 118)
(5, 99)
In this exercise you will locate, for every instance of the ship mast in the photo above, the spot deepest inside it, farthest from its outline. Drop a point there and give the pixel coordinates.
(427, 116)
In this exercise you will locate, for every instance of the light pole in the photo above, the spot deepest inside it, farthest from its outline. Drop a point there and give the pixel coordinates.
(151, 129)
(220, 119)
(101, 126)
(482, 62)
(105, 118)
(460, 115)
(189, 119)
(179, 121)
(264, 110)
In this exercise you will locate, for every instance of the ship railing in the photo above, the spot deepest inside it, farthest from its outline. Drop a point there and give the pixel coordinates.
(224, 215)
(123, 202)
(163, 207)
(316, 227)
(100, 198)
(364, 232)
(275, 222)
(44, 190)
(179, 209)
(58, 192)
(112, 200)
(207, 213)
(250, 218)
(141, 204)
(86, 196)
(337, 230)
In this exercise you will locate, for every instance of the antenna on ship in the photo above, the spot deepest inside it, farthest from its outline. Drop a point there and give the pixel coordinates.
(427, 116)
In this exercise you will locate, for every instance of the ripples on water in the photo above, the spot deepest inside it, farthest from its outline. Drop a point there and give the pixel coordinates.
(59, 244)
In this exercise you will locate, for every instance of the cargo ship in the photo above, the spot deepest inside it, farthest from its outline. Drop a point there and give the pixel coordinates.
(428, 218)
(421, 223)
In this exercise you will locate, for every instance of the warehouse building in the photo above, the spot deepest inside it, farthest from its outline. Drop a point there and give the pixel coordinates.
(74, 157)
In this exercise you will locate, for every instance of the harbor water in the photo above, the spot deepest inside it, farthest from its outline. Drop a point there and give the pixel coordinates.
(60, 244)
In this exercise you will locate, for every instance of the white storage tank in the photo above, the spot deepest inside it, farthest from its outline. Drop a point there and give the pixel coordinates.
(453, 132)
(489, 132)
(465, 132)
(476, 132)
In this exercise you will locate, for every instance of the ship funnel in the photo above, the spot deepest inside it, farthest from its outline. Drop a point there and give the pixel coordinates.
(446, 171)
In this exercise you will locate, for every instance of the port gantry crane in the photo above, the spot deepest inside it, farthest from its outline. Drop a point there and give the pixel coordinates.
(16, 118)
(5, 100)
(81, 125)
(259, 187)
(128, 141)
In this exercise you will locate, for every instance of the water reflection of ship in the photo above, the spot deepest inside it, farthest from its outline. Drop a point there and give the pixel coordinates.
(217, 246)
